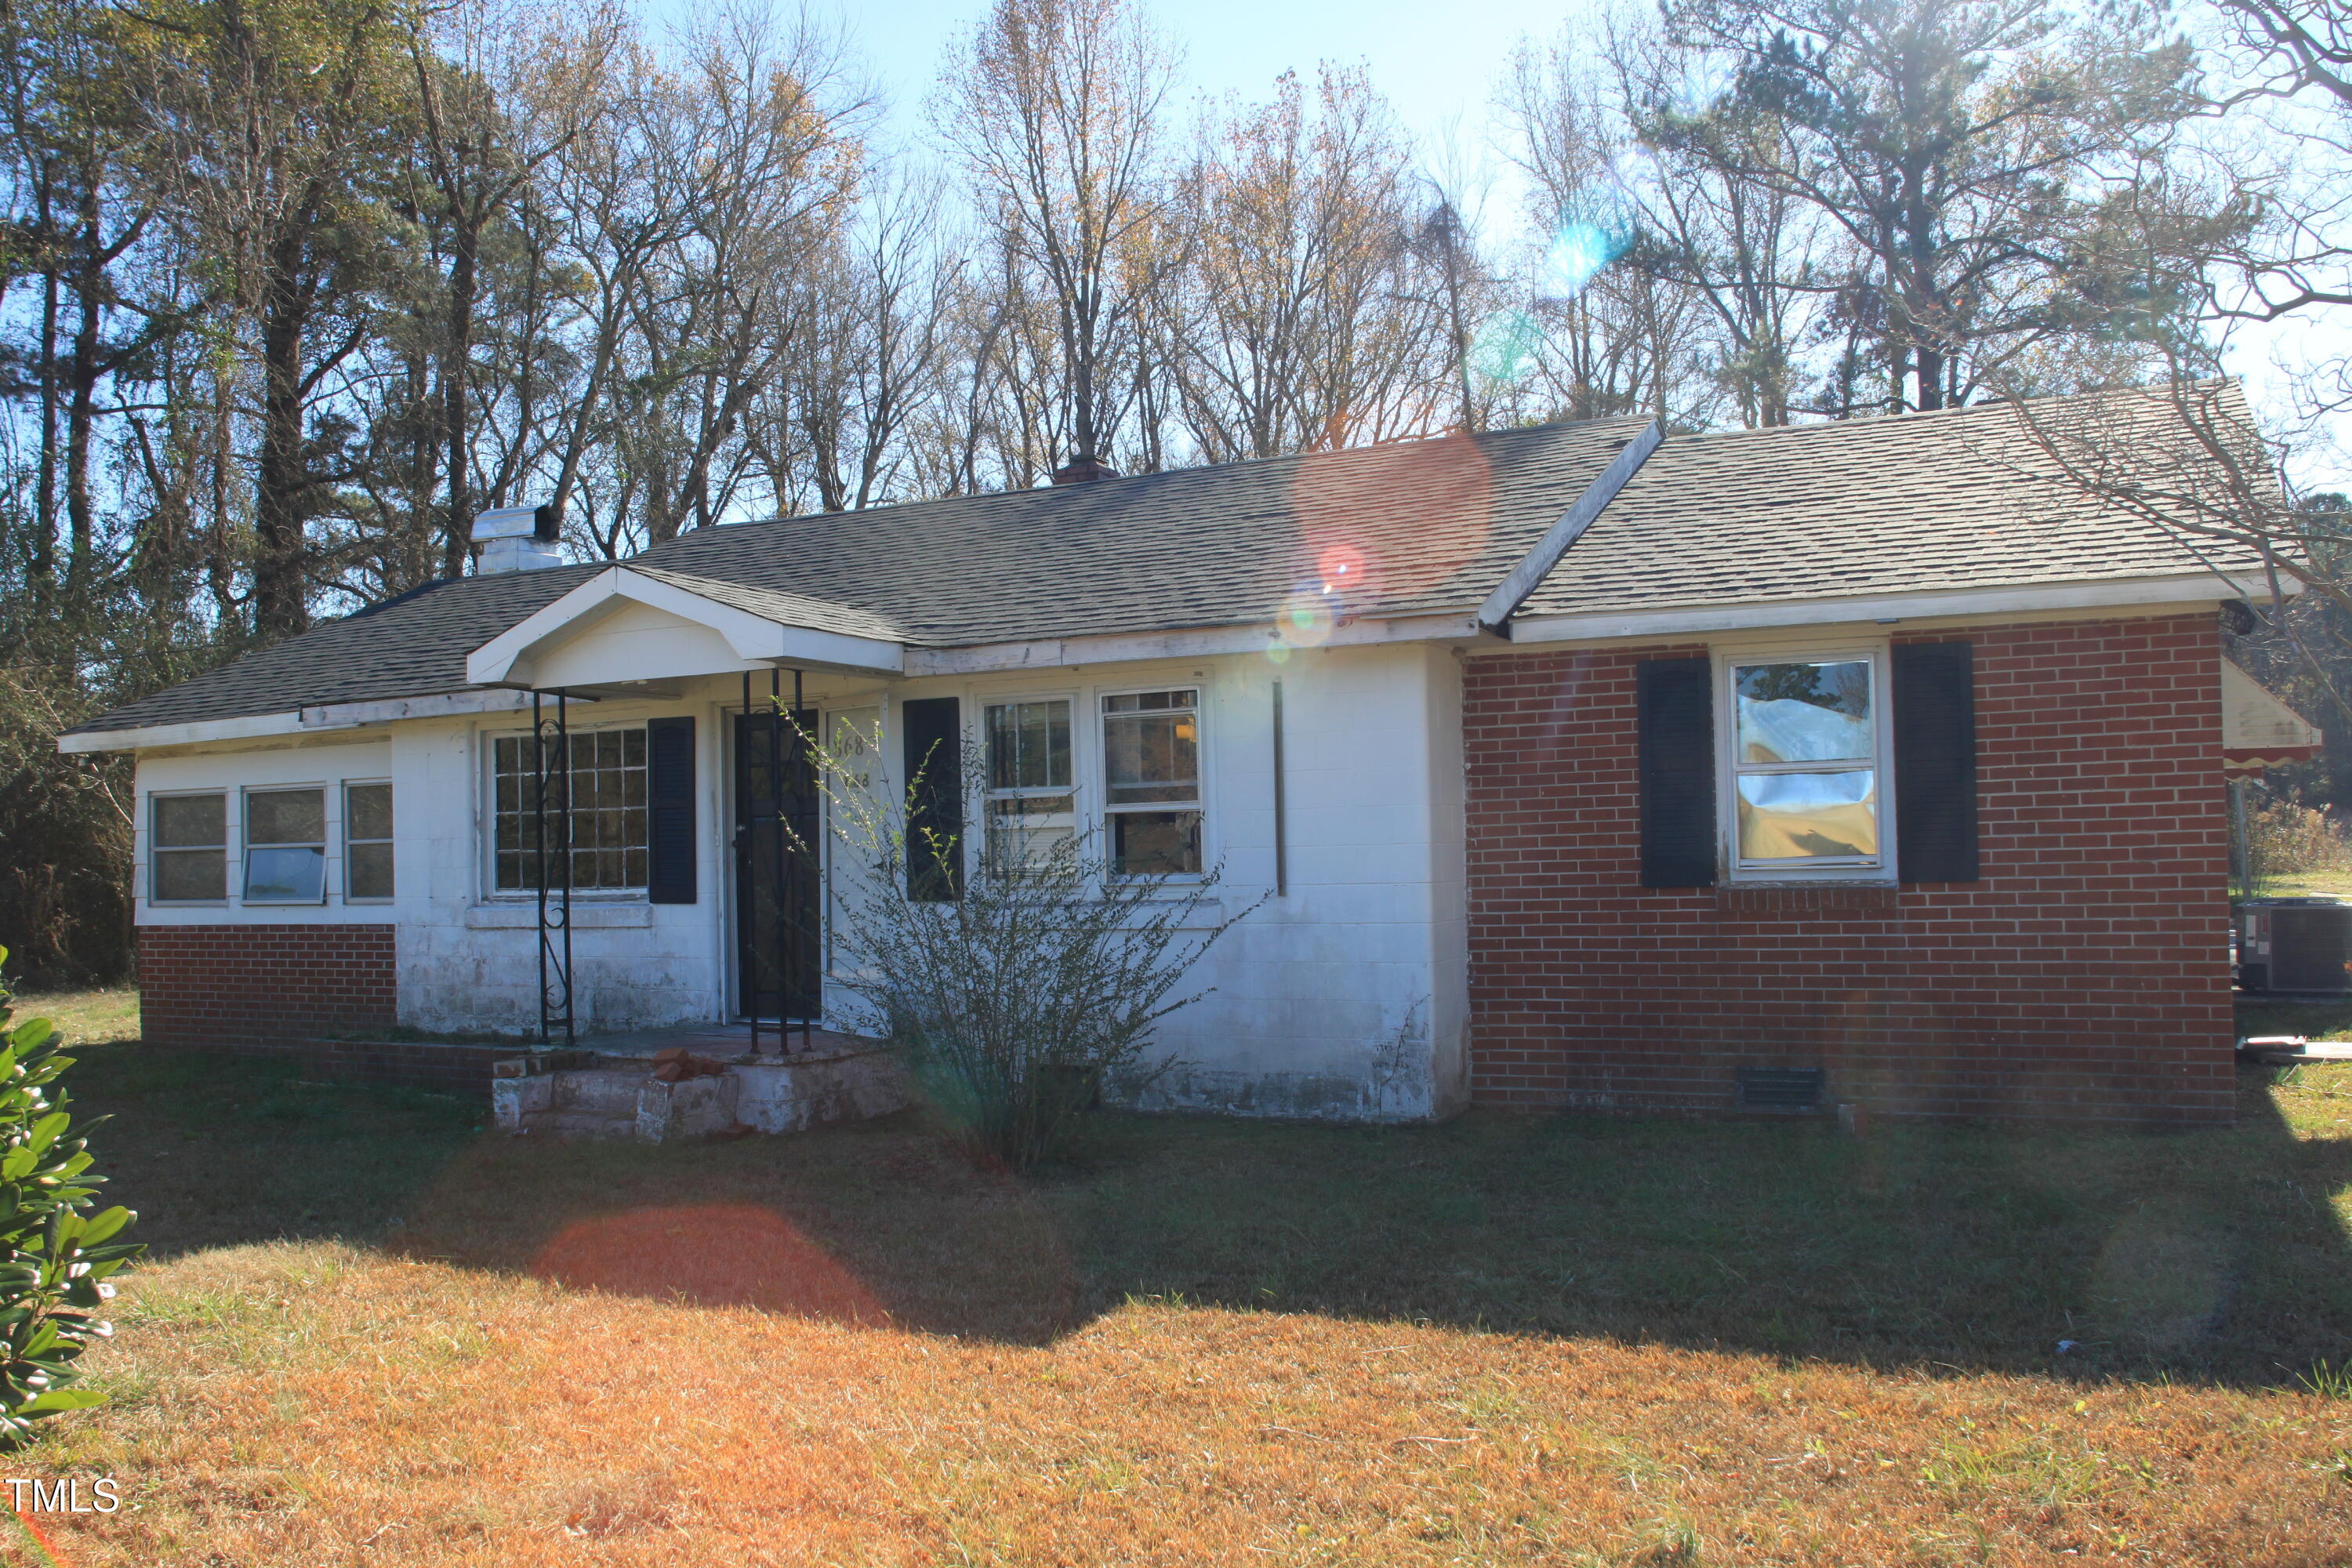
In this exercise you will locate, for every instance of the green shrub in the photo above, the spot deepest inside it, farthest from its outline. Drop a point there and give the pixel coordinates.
(55, 1256)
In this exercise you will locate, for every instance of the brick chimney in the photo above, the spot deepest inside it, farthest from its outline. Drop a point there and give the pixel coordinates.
(1083, 467)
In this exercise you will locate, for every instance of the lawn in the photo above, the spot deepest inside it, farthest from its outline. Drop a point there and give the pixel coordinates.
(373, 1333)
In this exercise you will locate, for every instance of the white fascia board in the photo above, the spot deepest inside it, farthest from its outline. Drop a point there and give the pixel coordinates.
(1118, 647)
(1521, 580)
(439, 705)
(302, 722)
(504, 660)
(2200, 588)
(190, 734)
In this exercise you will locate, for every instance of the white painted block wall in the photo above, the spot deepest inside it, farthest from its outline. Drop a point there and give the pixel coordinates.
(1345, 996)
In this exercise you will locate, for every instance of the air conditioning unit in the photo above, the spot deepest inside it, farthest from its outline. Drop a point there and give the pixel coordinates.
(2295, 946)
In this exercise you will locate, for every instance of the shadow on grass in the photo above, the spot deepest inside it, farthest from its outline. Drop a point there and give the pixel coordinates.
(2205, 1255)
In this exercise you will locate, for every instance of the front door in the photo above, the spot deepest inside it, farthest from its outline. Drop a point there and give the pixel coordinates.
(779, 945)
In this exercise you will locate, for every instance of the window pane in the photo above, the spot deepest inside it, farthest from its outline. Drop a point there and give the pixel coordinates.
(201, 874)
(1023, 830)
(1149, 843)
(367, 811)
(1802, 712)
(1029, 745)
(606, 786)
(1797, 817)
(367, 871)
(286, 875)
(1151, 757)
(1148, 702)
(286, 816)
(191, 819)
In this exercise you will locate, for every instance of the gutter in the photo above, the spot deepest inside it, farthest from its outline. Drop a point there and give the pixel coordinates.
(1495, 614)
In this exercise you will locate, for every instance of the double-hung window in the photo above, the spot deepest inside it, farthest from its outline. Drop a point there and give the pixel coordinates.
(286, 846)
(604, 775)
(1151, 781)
(367, 841)
(188, 847)
(1808, 773)
(1030, 804)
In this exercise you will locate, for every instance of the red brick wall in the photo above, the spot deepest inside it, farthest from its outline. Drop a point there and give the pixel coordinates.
(2085, 977)
(232, 987)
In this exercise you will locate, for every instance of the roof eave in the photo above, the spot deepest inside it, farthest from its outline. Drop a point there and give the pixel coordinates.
(1605, 625)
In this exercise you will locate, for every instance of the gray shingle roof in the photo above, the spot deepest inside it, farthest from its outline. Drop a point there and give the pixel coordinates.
(1958, 498)
(412, 647)
(1436, 524)
(1921, 503)
(785, 609)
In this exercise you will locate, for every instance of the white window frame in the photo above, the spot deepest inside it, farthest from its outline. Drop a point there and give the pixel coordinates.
(1100, 772)
(232, 849)
(246, 845)
(487, 831)
(1882, 869)
(986, 793)
(343, 828)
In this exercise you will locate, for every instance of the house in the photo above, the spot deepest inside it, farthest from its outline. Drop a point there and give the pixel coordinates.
(1576, 766)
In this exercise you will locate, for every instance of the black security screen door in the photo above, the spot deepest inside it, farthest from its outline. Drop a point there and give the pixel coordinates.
(776, 914)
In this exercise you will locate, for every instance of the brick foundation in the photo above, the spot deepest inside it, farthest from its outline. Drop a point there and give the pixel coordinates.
(230, 987)
(279, 990)
(2085, 977)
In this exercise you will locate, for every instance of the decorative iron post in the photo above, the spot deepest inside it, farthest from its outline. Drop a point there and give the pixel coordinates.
(551, 767)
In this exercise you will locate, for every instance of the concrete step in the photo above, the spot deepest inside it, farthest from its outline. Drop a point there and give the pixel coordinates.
(602, 1091)
(578, 1124)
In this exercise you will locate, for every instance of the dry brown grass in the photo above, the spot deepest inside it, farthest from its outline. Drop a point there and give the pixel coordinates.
(1501, 1341)
(313, 1404)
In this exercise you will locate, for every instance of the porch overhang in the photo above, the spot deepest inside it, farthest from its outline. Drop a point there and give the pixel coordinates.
(633, 624)
(2258, 730)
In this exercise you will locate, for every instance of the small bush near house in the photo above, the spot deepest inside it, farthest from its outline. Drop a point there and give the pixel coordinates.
(1019, 991)
(55, 1256)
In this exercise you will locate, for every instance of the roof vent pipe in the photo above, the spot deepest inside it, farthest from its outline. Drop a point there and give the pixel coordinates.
(517, 537)
(1083, 467)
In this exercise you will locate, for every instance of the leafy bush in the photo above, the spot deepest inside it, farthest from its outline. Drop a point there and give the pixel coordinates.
(55, 1256)
(1017, 999)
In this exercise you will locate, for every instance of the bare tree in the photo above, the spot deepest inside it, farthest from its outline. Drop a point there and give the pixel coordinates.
(1300, 331)
(1055, 107)
(502, 87)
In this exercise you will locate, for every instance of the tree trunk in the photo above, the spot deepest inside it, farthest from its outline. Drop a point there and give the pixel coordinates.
(459, 362)
(281, 480)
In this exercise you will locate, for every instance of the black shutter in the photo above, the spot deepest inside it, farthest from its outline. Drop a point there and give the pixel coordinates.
(934, 735)
(669, 811)
(1935, 762)
(1676, 735)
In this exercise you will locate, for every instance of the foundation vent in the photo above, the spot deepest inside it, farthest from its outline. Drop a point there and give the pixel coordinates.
(1781, 1089)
